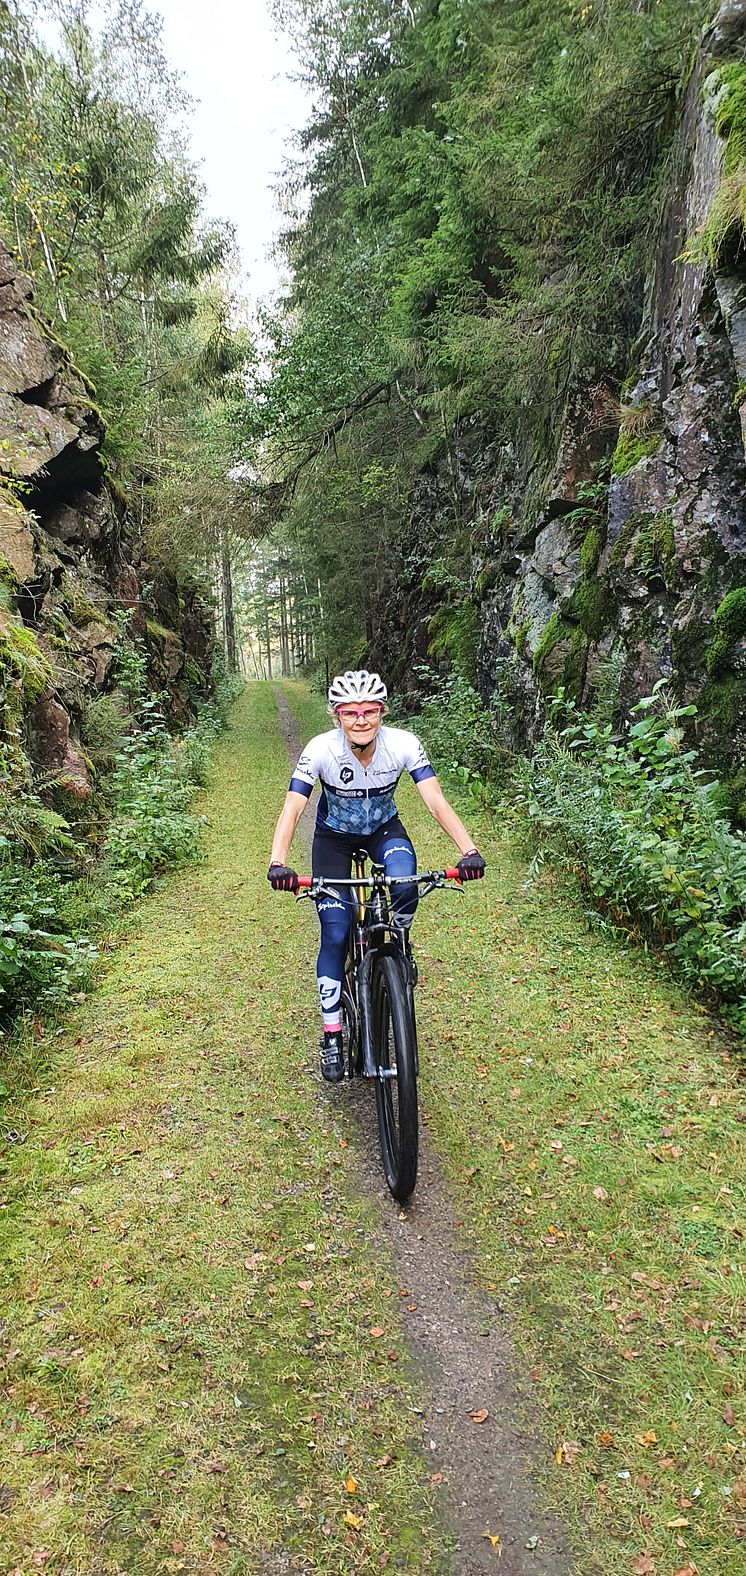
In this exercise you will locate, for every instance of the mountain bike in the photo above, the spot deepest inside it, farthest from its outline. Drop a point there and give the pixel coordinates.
(378, 1016)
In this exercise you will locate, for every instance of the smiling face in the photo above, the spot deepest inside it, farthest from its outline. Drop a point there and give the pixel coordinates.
(359, 722)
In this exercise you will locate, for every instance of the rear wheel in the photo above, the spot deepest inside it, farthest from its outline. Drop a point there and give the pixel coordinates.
(396, 1085)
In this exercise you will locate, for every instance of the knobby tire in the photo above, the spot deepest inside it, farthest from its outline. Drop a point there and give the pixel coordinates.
(396, 1098)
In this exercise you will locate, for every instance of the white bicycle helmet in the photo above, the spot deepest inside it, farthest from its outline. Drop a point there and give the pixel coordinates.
(359, 686)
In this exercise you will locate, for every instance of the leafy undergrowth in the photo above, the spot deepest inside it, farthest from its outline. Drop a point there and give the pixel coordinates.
(202, 1358)
(589, 1117)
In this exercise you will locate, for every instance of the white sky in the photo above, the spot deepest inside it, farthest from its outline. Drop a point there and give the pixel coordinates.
(234, 63)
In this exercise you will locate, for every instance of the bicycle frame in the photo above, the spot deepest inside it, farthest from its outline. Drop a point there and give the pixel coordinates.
(374, 935)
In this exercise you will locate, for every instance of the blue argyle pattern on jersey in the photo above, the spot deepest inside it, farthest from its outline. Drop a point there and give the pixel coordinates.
(353, 813)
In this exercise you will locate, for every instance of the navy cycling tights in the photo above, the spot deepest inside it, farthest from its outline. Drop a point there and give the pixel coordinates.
(332, 857)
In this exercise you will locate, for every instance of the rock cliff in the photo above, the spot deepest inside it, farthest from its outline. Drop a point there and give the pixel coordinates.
(615, 587)
(69, 563)
(621, 559)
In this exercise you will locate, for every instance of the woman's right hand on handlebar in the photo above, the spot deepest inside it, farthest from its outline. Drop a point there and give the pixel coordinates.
(282, 879)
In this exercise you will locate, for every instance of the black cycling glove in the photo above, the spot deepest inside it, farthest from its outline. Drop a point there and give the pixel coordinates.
(282, 879)
(470, 866)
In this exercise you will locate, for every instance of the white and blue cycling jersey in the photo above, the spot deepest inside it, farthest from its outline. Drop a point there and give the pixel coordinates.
(354, 798)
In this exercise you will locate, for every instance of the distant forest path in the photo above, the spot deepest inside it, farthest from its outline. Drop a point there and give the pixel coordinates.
(226, 1350)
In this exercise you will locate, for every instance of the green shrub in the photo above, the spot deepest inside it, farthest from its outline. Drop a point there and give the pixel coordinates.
(640, 825)
(40, 964)
(104, 727)
(152, 828)
(462, 738)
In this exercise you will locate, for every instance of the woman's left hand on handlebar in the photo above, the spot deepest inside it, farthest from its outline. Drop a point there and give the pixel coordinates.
(282, 879)
(471, 866)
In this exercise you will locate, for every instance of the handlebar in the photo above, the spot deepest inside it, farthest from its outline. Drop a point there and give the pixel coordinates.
(452, 874)
(427, 881)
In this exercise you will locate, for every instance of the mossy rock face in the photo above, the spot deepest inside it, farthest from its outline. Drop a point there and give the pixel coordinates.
(455, 632)
(20, 657)
(630, 450)
(555, 631)
(646, 545)
(590, 550)
(730, 628)
(8, 577)
(160, 632)
(591, 607)
(81, 610)
(730, 112)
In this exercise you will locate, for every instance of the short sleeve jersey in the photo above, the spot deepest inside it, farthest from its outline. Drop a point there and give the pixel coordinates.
(354, 798)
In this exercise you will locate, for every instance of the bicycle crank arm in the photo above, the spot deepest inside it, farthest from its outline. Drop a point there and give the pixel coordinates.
(386, 1072)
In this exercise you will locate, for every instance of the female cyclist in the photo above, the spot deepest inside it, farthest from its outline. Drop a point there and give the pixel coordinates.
(358, 764)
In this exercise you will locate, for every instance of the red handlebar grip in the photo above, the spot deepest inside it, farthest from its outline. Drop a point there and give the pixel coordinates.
(454, 874)
(305, 881)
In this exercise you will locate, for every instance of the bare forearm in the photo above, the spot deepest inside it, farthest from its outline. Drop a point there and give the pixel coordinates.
(289, 817)
(446, 817)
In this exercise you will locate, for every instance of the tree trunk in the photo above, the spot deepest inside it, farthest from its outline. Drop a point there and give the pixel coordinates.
(229, 623)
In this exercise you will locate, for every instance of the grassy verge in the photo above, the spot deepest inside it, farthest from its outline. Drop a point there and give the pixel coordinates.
(589, 1117)
(202, 1362)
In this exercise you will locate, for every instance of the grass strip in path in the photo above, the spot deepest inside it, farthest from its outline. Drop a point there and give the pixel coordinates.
(202, 1366)
(472, 1429)
(590, 1118)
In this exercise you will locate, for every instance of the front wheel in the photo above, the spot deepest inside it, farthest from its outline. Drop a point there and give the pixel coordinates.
(396, 1085)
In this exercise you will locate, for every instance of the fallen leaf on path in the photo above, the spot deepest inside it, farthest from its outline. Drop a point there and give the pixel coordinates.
(493, 1538)
(679, 1521)
(643, 1564)
(479, 1416)
(686, 1570)
(729, 1416)
(351, 1485)
(376, 1332)
(649, 1438)
(567, 1452)
(355, 1522)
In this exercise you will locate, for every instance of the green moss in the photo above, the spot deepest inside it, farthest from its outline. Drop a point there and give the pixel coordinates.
(590, 606)
(487, 578)
(454, 631)
(20, 657)
(81, 610)
(719, 705)
(555, 630)
(8, 576)
(730, 114)
(160, 632)
(590, 550)
(730, 627)
(630, 450)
